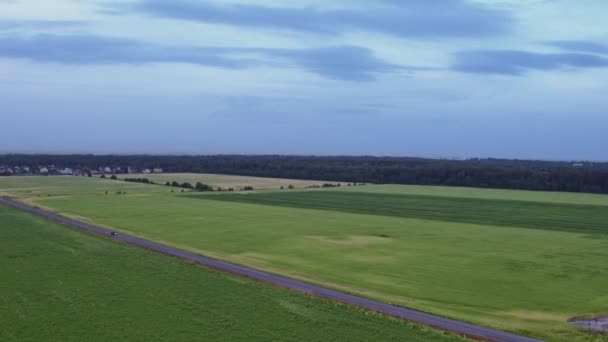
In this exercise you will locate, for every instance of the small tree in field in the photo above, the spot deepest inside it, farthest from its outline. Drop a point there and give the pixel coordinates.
(113, 177)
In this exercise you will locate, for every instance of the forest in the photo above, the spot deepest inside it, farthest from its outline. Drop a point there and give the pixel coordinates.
(589, 177)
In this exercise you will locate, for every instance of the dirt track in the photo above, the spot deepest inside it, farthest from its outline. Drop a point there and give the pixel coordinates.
(466, 329)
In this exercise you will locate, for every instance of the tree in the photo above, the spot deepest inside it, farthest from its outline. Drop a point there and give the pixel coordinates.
(248, 188)
(202, 187)
(168, 183)
(290, 186)
(113, 177)
(187, 185)
(175, 184)
(102, 176)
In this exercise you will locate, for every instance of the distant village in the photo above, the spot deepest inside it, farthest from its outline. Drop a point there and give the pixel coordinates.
(52, 170)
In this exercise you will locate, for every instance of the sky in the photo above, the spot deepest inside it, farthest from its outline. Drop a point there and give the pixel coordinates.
(524, 79)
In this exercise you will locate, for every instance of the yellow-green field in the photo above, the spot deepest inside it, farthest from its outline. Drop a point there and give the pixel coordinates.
(518, 261)
(226, 181)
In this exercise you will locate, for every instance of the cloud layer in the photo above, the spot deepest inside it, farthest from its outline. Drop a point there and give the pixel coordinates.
(344, 62)
(409, 19)
(580, 45)
(515, 62)
(447, 78)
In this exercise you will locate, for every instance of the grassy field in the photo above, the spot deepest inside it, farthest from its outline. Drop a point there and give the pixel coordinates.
(227, 181)
(63, 285)
(469, 257)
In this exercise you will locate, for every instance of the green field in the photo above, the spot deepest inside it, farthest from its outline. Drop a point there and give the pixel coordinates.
(590, 219)
(496, 194)
(524, 265)
(59, 284)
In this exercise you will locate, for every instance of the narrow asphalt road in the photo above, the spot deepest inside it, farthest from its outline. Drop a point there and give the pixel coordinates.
(465, 329)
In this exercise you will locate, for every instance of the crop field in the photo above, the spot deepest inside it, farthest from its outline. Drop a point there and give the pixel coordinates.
(523, 265)
(226, 181)
(59, 284)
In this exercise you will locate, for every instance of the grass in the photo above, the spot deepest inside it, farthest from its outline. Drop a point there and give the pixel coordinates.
(509, 213)
(63, 285)
(226, 181)
(509, 277)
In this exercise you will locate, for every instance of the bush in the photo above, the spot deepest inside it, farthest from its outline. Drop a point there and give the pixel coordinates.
(113, 177)
(102, 176)
(290, 186)
(248, 188)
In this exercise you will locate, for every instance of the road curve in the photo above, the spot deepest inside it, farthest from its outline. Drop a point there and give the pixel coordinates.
(441, 323)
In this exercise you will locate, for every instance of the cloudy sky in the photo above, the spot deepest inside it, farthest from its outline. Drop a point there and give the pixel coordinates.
(435, 78)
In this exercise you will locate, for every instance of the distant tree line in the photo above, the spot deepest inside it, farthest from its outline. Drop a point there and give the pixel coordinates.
(485, 173)
(186, 185)
(136, 180)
